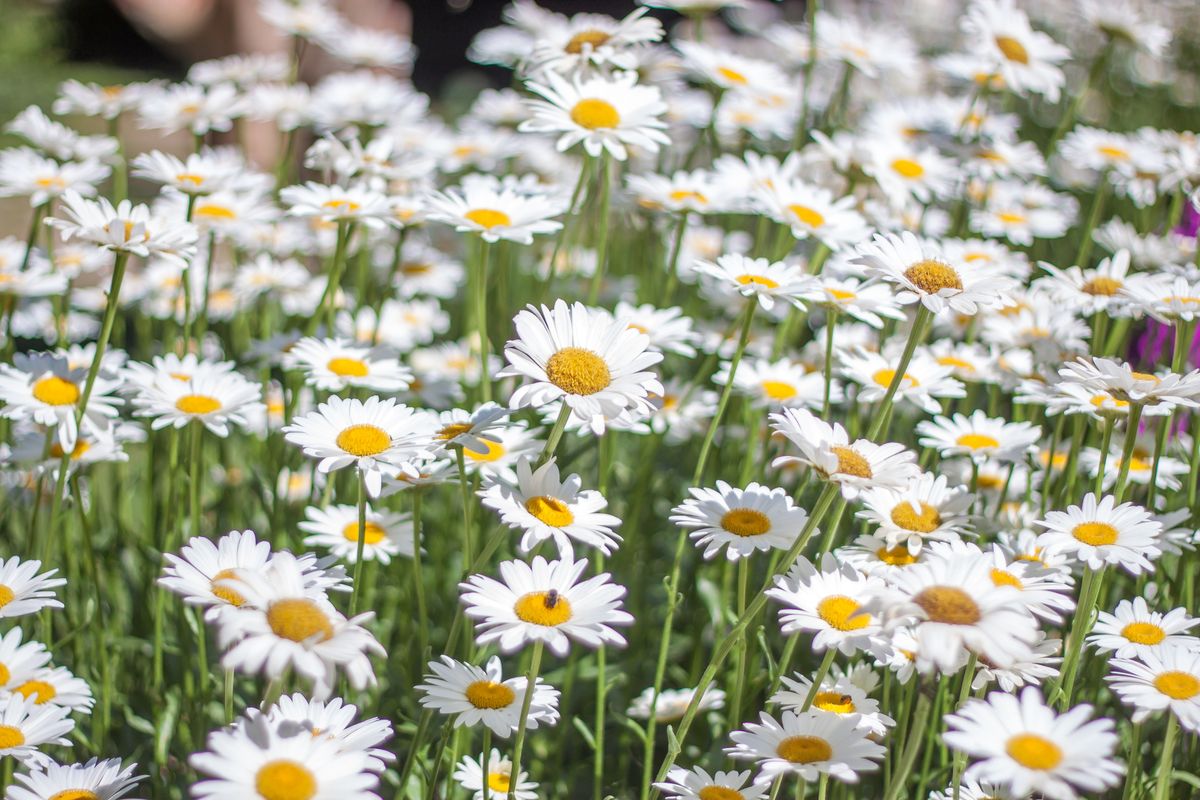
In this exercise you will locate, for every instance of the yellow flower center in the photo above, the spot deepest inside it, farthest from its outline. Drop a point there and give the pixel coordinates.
(189, 177)
(75, 794)
(908, 168)
(454, 429)
(715, 792)
(489, 694)
(341, 206)
(373, 533)
(977, 441)
(745, 522)
(1102, 286)
(839, 294)
(589, 38)
(1034, 752)
(1145, 376)
(550, 510)
(949, 605)
(499, 781)
(732, 75)
(884, 378)
(1100, 400)
(594, 114)
(53, 181)
(10, 737)
(347, 367)
(214, 211)
(851, 463)
(77, 452)
(957, 363)
(41, 691)
(1012, 49)
(578, 371)
(778, 390)
(488, 218)
(931, 276)
(1115, 153)
(807, 216)
(1178, 685)
(363, 440)
(757, 280)
(299, 619)
(1143, 633)
(1097, 534)
(55, 391)
(285, 780)
(804, 749)
(543, 608)
(5, 675)
(1003, 578)
(926, 520)
(841, 613)
(231, 596)
(1010, 217)
(493, 451)
(834, 701)
(683, 195)
(896, 556)
(197, 404)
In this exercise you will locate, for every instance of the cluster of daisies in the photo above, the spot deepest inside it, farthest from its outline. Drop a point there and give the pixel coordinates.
(805, 389)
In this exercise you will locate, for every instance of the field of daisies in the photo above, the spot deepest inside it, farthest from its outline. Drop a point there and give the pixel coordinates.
(755, 402)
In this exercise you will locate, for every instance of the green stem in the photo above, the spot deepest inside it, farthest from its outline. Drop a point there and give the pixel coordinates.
(464, 489)
(602, 242)
(915, 337)
(1089, 592)
(485, 346)
(1106, 444)
(912, 747)
(830, 326)
(1162, 781)
(747, 319)
(535, 665)
(560, 424)
(822, 671)
(1131, 431)
(356, 591)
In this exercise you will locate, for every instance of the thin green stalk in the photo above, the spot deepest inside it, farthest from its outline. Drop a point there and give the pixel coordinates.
(535, 665)
(418, 579)
(726, 393)
(673, 262)
(464, 489)
(1106, 444)
(1081, 624)
(328, 302)
(1093, 219)
(739, 671)
(601, 708)
(487, 765)
(915, 337)
(356, 591)
(560, 425)
(912, 747)
(1131, 431)
(822, 671)
(479, 291)
(602, 241)
(1162, 779)
(964, 691)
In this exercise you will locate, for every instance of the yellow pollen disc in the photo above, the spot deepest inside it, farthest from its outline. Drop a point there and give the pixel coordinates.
(732, 75)
(231, 596)
(499, 781)
(851, 463)
(41, 691)
(75, 794)
(715, 792)
(1102, 286)
(595, 114)
(957, 363)
(540, 608)
(834, 701)
(54, 181)
(884, 378)
(576, 370)
(745, 522)
(758, 280)
(189, 177)
(804, 749)
(5, 675)
(183, 377)
(450, 431)
(56, 391)
(949, 605)
(1115, 153)
(807, 216)
(1178, 685)
(197, 404)
(1033, 752)
(373, 533)
(299, 620)
(10, 737)
(588, 38)
(488, 217)
(926, 520)
(81, 447)
(840, 613)
(1010, 217)
(1178, 299)
(489, 694)
(550, 510)
(778, 390)
(363, 440)
(1143, 633)
(213, 211)
(683, 195)
(1012, 49)
(414, 268)
(1100, 400)
(1097, 534)
(347, 367)
(931, 276)
(896, 556)
(840, 294)
(1145, 376)
(341, 206)
(285, 780)
(907, 168)
(493, 451)
(977, 441)
(1003, 578)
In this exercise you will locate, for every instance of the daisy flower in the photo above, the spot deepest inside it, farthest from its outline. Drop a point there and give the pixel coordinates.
(1101, 532)
(336, 203)
(333, 365)
(779, 383)
(214, 399)
(259, 760)
(668, 329)
(1090, 291)
(125, 228)
(1035, 668)
(500, 783)
(730, 71)
(23, 591)
(971, 789)
(1134, 631)
(26, 173)
(1027, 60)
(95, 780)
(334, 721)
(836, 695)
(829, 602)
(480, 695)
(811, 211)
(926, 510)
(906, 172)
(743, 521)
(1020, 743)
(809, 745)
(1165, 680)
(379, 437)
(57, 686)
(864, 301)
(19, 660)
(25, 726)
(501, 449)
(497, 212)
(199, 174)
(924, 381)
(672, 704)
(921, 272)
(681, 192)
(697, 784)
(1126, 383)
(94, 100)
(854, 466)
(46, 388)
(545, 602)
(387, 534)
(980, 437)
(471, 430)
(545, 507)
(761, 280)
(595, 364)
(1045, 592)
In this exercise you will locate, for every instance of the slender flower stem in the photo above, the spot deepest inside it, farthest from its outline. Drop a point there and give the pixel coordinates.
(464, 489)
(479, 291)
(830, 326)
(1089, 593)
(673, 262)
(1072, 111)
(964, 691)
(1106, 444)
(1162, 781)
(739, 672)
(486, 763)
(915, 336)
(356, 592)
(605, 187)
(912, 747)
(535, 665)
(727, 392)
(822, 671)
(418, 579)
(601, 708)
(1093, 219)
(1131, 431)
(560, 424)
